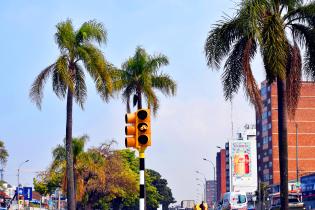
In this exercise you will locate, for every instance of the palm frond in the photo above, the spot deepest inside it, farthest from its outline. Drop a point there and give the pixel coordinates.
(66, 74)
(302, 14)
(306, 38)
(274, 46)
(152, 100)
(91, 31)
(65, 36)
(233, 70)
(155, 62)
(220, 40)
(293, 79)
(165, 84)
(36, 93)
(80, 91)
(58, 85)
(250, 84)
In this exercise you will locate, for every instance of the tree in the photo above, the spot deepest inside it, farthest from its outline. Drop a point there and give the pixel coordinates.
(68, 78)
(3, 154)
(166, 196)
(139, 77)
(279, 28)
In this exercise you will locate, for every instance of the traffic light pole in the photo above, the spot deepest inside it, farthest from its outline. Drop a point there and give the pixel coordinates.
(142, 182)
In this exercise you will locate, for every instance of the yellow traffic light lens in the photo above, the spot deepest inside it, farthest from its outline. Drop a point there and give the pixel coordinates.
(142, 114)
(143, 139)
(143, 127)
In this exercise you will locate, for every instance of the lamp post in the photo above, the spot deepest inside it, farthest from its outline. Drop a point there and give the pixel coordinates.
(18, 179)
(214, 178)
(198, 172)
(297, 154)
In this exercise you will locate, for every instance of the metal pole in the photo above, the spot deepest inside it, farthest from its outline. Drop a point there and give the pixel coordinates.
(297, 154)
(18, 188)
(142, 184)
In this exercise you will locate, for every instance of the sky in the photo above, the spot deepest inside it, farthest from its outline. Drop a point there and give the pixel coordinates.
(187, 128)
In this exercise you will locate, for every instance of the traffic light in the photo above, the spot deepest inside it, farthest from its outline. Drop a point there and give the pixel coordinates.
(138, 130)
(130, 130)
(143, 125)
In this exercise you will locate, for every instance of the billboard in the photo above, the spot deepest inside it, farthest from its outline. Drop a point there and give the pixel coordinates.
(243, 165)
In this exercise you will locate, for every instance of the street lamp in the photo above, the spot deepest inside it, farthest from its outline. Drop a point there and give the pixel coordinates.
(18, 177)
(198, 172)
(214, 178)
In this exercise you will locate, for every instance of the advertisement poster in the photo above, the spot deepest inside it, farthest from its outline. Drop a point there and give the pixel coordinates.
(243, 167)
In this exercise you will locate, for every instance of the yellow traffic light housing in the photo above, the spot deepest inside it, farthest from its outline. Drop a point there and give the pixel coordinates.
(130, 130)
(143, 125)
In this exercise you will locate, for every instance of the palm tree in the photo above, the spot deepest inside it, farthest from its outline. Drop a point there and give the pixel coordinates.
(279, 28)
(59, 160)
(139, 77)
(3, 154)
(68, 78)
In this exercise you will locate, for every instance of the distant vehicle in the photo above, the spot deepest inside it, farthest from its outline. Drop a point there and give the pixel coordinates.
(295, 201)
(234, 200)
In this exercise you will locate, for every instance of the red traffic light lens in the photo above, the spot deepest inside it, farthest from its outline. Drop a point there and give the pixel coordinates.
(143, 139)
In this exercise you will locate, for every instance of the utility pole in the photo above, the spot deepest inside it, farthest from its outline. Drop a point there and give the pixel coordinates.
(297, 154)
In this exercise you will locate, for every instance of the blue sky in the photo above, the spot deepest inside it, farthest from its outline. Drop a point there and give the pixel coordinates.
(187, 128)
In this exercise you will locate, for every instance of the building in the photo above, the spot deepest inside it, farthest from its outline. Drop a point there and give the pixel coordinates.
(211, 192)
(302, 127)
(221, 175)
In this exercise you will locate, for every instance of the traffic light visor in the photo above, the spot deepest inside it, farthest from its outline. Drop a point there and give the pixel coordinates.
(130, 130)
(130, 118)
(130, 142)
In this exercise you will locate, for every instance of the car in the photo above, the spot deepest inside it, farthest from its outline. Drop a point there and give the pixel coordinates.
(295, 201)
(234, 200)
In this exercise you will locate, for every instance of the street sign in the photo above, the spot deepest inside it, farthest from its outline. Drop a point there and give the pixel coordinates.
(19, 190)
(27, 193)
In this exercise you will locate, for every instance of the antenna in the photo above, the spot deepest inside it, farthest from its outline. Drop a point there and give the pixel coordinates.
(232, 128)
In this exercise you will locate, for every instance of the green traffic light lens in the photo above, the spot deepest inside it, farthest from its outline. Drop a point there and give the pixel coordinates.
(142, 114)
(143, 139)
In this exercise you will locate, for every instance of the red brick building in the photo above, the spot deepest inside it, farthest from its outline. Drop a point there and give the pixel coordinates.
(221, 173)
(267, 135)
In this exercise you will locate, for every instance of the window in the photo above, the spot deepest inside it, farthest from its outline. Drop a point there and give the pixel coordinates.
(270, 164)
(268, 101)
(270, 151)
(259, 168)
(269, 125)
(270, 177)
(269, 138)
(258, 156)
(269, 113)
(265, 140)
(269, 88)
(258, 144)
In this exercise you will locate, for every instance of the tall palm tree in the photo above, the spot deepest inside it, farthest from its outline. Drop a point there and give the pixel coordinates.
(279, 28)
(139, 77)
(68, 77)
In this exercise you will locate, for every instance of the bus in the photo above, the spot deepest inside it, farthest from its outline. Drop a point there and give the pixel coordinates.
(308, 190)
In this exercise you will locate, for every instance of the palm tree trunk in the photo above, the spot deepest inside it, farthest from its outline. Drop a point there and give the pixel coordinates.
(283, 142)
(69, 157)
(139, 99)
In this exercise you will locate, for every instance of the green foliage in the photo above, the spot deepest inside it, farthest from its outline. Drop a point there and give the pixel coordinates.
(279, 28)
(3, 154)
(105, 178)
(139, 77)
(76, 48)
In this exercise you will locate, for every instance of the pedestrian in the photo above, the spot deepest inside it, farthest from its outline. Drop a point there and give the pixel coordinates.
(202, 206)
